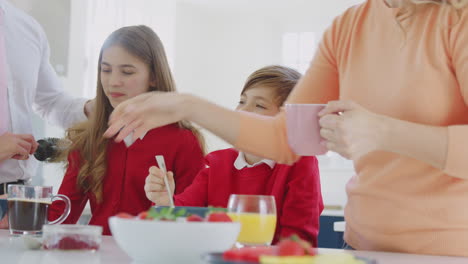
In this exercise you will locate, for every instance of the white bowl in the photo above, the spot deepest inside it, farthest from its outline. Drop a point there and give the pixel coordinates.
(147, 241)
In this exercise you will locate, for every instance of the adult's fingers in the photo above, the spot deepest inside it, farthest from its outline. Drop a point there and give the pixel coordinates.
(334, 107)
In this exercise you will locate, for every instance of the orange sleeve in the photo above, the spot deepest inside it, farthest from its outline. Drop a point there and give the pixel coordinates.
(457, 151)
(266, 136)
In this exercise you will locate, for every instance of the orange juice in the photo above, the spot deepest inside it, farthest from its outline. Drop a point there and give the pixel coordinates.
(256, 229)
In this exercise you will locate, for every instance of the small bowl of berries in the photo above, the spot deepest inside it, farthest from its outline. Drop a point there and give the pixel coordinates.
(71, 237)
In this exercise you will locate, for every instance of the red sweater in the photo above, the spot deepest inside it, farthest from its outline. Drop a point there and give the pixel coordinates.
(296, 189)
(123, 188)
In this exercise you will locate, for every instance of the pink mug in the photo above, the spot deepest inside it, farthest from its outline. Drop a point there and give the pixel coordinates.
(303, 129)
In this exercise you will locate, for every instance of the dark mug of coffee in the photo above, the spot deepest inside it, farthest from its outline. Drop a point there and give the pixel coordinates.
(28, 208)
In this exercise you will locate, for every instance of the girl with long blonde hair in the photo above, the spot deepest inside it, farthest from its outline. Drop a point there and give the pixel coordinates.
(111, 175)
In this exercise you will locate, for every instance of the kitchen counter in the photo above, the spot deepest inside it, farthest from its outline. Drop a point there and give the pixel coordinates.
(12, 250)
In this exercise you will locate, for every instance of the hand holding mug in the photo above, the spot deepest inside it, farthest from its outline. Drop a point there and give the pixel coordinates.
(349, 129)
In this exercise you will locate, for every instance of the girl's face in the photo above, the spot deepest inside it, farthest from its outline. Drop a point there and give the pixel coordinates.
(123, 75)
(259, 100)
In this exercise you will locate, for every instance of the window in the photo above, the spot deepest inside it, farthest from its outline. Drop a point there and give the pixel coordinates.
(299, 49)
(106, 16)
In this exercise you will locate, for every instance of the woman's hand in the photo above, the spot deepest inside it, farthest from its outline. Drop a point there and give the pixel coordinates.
(145, 112)
(350, 130)
(155, 188)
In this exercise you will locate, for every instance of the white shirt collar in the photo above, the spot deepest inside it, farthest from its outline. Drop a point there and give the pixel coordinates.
(241, 163)
(129, 141)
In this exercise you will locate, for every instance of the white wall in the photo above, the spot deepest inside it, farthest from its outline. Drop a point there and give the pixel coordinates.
(73, 82)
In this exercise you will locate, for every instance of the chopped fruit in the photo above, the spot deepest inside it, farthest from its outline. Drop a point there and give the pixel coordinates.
(194, 218)
(165, 214)
(172, 214)
(233, 254)
(72, 242)
(143, 215)
(247, 253)
(290, 248)
(294, 246)
(125, 215)
(218, 217)
(253, 254)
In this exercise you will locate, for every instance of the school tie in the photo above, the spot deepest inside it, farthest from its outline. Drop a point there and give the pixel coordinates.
(4, 111)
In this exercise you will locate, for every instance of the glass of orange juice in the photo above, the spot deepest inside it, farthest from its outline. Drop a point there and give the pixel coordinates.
(257, 215)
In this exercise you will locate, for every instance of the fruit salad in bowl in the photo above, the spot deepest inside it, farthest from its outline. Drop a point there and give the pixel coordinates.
(172, 235)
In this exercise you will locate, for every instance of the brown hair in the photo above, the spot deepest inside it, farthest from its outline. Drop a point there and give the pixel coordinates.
(87, 137)
(280, 78)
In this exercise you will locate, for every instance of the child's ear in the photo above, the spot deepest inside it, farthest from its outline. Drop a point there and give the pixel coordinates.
(152, 82)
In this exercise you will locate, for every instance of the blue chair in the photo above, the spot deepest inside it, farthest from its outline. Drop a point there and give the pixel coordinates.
(327, 237)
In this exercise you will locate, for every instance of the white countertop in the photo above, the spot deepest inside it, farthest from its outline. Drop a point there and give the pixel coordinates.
(12, 250)
(399, 258)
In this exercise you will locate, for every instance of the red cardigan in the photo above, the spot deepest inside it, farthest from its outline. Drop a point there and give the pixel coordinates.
(123, 188)
(296, 189)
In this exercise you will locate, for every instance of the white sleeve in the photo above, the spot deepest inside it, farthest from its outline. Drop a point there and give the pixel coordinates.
(51, 101)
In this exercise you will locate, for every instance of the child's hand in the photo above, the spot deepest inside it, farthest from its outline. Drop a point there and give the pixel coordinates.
(155, 187)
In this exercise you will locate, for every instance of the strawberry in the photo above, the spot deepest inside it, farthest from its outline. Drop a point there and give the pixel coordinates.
(143, 215)
(233, 254)
(294, 246)
(218, 217)
(194, 218)
(309, 250)
(290, 247)
(125, 215)
(251, 254)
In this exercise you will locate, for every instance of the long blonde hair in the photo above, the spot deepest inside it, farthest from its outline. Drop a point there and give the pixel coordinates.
(87, 137)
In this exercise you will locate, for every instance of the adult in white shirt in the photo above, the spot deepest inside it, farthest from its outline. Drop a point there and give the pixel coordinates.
(32, 85)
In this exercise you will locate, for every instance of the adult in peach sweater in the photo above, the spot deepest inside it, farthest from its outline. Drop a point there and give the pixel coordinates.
(398, 73)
